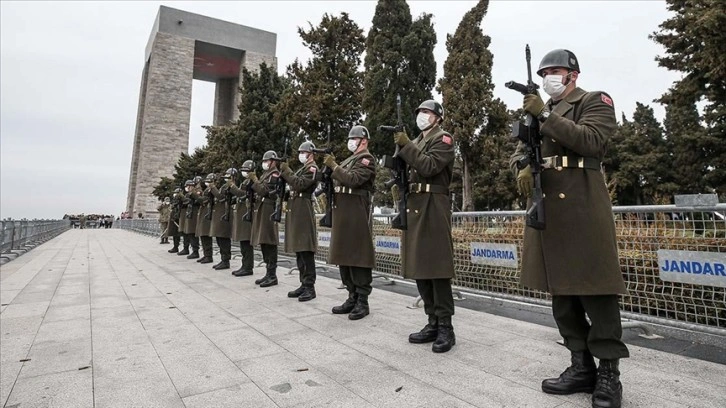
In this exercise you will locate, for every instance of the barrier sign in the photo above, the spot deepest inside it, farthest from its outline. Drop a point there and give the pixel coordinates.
(700, 268)
(484, 253)
(324, 239)
(388, 245)
(281, 236)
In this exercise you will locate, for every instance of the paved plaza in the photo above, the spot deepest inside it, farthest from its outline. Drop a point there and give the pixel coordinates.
(108, 318)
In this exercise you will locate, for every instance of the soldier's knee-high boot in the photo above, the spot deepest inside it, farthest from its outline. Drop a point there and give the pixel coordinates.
(271, 264)
(225, 252)
(206, 250)
(361, 308)
(427, 334)
(248, 261)
(608, 389)
(580, 376)
(445, 338)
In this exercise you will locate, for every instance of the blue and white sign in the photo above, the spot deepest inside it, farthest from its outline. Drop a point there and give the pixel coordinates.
(700, 268)
(324, 239)
(484, 253)
(281, 236)
(388, 245)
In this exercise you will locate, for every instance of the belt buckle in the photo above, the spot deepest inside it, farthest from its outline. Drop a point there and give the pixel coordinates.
(416, 188)
(548, 162)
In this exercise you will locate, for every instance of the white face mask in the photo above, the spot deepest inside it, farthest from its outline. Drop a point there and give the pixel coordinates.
(422, 121)
(303, 157)
(352, 145)
(552, 84)
(243, 173)
(265, 166)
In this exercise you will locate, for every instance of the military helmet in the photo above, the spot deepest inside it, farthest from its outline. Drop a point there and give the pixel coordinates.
(559, 58)
(270, 155)
(231, 172)
(359, 131)
(433, 106)
(248, 166)
(306, 146)
(190, 182)
(177, 190)
(211, 178)
(197, 179)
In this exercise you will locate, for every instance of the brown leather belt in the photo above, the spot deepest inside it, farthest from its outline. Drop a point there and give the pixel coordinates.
(570, 162)
(418, 188)
(354, 191)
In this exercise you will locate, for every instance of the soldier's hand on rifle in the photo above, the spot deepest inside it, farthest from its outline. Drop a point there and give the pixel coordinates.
(284, 167)
(525, 181)
(329, 161)
(229, 182)
(401, 138)
(533, 104)
(252, 176)
(396, 193)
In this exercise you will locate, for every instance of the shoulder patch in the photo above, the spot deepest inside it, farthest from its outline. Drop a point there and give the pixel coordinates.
(446, 139)
(606, 99)
(365, 162)
(312, 169)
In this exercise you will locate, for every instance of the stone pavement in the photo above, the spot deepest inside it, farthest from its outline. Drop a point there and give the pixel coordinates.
(107, 318)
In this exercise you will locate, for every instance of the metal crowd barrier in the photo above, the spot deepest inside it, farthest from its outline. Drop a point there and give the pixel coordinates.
(487, 257)
(20, 236)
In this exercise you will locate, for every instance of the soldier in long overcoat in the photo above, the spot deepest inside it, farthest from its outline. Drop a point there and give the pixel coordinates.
(351, 244)
(300, 232)
(575, 257)
(427, 250)
(164, 210)
(264, 230)
(221, 225)
(205, 200)
(242, 218)
(190, 224)
(174, 219)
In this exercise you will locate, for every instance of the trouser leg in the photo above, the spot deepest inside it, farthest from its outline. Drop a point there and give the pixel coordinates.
(225, 248)
(362, 279)
(300, 265)
(194, 242)
(248, 255)
(207, 246)
(570, 318)
(164, 230)
(269, 252)
(307, 273)
(176, 240)
(604, 340)
(187, 241)
(426, 290)
(346, 278)
(443, 298)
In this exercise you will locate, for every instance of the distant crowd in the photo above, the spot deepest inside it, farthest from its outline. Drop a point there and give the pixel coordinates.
(83, 221)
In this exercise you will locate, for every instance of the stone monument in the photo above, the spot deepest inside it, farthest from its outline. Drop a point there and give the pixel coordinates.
(184, 46)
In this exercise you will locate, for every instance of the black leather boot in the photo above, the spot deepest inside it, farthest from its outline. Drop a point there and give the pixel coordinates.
(296, 293)
(193, 255)
(222, 265)
(270, 280)
(206, 260)
(237, 271)
(608, 389)
(173, 250)
(308, 294)
(361, 309)
(262, 279)
(578, 377)
(242, 272)
(427, 334)
(347, 306)
(445, 339)
(184, 251)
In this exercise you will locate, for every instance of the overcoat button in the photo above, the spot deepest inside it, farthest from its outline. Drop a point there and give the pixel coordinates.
(562, 195)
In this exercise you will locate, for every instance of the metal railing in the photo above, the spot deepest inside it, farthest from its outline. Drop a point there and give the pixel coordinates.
(641, 232)
(19, 236)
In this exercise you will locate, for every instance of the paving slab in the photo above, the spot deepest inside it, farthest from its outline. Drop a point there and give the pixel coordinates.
(108, 318)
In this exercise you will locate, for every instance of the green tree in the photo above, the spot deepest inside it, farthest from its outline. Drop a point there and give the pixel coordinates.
(165, 188)
(326, 92)
(695, 42)
(477, 120)
(399, 60)
(687, 145)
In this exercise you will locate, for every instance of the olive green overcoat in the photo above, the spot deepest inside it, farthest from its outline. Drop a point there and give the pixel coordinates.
(427, 249)
(204, 219)
(300, 232)
(241, 229)
(264, 230)
(221, 226)
(577, 252)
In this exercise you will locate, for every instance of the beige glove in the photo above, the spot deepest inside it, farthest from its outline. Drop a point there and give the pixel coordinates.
(525, 181)
(396, 193)
(329, 161)
(252, 176)
(401, 138)
(284, 167)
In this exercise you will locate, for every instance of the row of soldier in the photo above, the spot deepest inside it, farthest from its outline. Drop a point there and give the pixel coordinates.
(574, 258)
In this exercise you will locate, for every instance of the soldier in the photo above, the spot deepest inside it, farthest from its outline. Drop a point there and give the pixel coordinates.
(242, 219)
(204, 217)
(575, 258)
(300, 231)
(427, 250)
(221, 214)
(264, 230)
(82, 221)
(184, 201)
(164, 211)
(174, 219)
(190, 226)
(351, 244)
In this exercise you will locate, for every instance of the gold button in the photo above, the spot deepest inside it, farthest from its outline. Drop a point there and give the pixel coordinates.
(559, 168)
(416, 211)
(554, 141)
(562, 195)
(408, 210)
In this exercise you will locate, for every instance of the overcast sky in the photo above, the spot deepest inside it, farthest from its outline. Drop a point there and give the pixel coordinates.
(70, 77)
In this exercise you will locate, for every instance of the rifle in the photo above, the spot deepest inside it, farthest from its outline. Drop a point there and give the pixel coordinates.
(280, 189)
(528, 133)
(399, 171)
(227, 202)
(210, 205)
(326, 186)
(250, 196)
